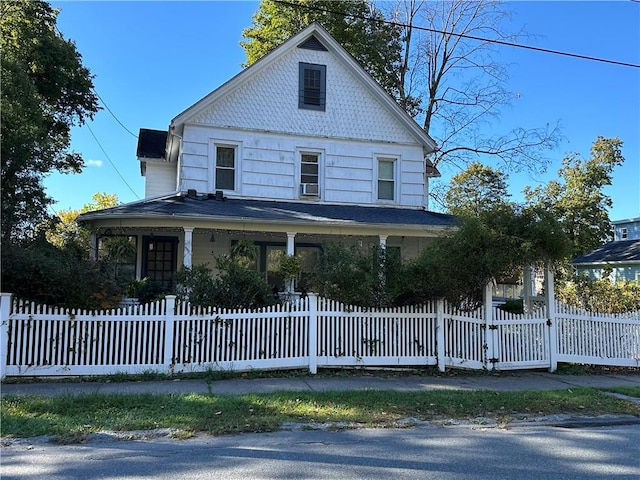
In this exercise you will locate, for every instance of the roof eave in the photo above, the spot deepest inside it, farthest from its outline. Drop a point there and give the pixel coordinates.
(149, 219)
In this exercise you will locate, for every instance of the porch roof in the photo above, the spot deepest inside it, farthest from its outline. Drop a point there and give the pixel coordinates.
(206, 208)
(618, 251)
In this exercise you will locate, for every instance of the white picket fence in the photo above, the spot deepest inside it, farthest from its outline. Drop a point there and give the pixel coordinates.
(169, 336)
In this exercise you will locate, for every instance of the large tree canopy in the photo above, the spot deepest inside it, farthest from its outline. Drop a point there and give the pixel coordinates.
(45, 91)
(578, 200)
(475, 190)
(354, 23)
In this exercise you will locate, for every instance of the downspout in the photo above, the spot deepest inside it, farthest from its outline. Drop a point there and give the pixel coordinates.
(179, 157)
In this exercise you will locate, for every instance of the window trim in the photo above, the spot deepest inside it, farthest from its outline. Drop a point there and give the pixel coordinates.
(309, 151)
(624, 233)
(213, 154)
(396, 178)
(302, 67)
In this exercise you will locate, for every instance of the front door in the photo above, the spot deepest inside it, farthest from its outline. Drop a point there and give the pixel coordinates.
(160, 260)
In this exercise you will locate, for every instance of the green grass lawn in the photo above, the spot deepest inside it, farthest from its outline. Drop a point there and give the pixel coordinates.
(69, 417)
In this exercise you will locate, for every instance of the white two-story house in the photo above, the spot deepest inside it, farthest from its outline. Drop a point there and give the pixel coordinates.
(300, 148)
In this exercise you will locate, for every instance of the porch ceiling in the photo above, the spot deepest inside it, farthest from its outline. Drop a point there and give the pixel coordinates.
(205, 211)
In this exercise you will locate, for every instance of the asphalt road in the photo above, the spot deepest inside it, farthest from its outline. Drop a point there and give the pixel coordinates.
(426, 452)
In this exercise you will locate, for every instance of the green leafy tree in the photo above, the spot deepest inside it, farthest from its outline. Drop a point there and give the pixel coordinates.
(65, 230)
(354, 23)
(577, 200)
(496, 243)
(477, 189)
(45, 91)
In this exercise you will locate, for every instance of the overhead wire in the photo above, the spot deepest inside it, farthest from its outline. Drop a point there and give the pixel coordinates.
(463, 35)
(98, 141)
(113, 114)
(111, 162)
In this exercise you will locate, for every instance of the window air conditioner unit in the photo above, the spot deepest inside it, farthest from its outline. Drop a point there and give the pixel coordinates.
(309, 189)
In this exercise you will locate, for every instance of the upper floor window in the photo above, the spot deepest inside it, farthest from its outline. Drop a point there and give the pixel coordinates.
(225, 167)
(624, 234)
(312, 86)
(309, 174)
(386, 179)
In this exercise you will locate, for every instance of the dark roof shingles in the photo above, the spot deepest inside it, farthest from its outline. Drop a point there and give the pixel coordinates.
(618, 251)
(280, 211)
(152, 143)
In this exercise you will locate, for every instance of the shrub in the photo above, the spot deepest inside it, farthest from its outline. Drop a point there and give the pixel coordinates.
(366, 276)
(41, 272)
(602, 295)
(236, 284)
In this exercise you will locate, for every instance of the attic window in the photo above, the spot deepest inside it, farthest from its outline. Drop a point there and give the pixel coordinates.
(312, 86)
(312, 43)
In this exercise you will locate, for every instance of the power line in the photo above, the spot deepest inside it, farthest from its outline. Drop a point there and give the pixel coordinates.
(113, 114)
(111, 162)
(463, 35)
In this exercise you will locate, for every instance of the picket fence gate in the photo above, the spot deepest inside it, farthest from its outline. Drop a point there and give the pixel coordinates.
(170, 336)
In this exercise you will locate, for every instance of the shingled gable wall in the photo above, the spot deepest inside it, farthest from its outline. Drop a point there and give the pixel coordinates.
(262, 120)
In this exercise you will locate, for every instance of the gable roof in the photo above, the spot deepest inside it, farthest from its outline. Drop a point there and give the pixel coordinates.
(618, 251)
(320, 35)
(206, 208)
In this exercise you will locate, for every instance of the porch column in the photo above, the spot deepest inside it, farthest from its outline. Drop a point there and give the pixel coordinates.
(188, 246)
(381, 261)
(290, 284)
(291, 249)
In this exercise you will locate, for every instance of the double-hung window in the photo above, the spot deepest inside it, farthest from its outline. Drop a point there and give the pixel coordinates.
(624, 233)
(386, 179)
(225, 167)
(312, 86)
(309, 174)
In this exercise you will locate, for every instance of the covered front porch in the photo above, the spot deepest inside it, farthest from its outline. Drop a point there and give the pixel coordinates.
(166, 234)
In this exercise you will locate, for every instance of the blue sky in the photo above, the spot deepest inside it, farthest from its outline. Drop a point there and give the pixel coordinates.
(152, 60)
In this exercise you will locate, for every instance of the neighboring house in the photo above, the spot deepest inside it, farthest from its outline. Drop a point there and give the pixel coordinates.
(628, 229)
(301, 147)
(619, 259)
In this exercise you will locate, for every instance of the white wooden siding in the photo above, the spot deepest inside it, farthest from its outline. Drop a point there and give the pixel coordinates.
(160, 179)
(269, 165)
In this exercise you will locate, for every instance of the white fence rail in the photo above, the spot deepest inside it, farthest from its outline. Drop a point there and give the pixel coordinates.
(169, 336)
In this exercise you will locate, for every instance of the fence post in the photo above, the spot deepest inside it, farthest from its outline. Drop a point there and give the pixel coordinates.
(440, 340)
(490, 329)
(169, 327)
(550, 300)
(312, 306)
(5, 312)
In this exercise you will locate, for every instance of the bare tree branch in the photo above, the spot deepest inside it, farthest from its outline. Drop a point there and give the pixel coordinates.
(456, 86)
